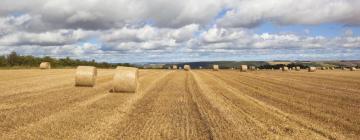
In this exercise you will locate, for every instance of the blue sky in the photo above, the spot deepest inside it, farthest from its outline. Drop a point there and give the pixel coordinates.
(326, 30)
(182, 30)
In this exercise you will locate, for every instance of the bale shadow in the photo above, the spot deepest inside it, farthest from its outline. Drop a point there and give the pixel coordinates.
(112, 91)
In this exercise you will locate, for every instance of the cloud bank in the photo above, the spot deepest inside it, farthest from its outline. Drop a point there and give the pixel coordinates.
(179, 30)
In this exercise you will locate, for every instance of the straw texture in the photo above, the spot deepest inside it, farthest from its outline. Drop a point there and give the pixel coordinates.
(85, 76)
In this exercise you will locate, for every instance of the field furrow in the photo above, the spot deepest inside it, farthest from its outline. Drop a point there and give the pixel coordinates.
(166, 113)
(320, 110)
(271, 120)
(54, 112)
(177, 104)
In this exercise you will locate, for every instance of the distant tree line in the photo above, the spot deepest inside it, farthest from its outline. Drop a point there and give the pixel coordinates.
(15, 60)
(277, 66)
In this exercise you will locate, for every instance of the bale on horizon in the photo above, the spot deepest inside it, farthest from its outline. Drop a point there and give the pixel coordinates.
(45, 65)
(216, 67)
(243, 68)
(125, 79)
(311, 69)
(174, 67)
(252, 68)
(352, 69)
(297, 68)
(187, 67)
(85, 76)
(285, 69)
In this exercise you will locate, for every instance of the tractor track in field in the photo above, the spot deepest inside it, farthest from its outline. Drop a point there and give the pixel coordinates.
(278, 87)
(62, 106)
(334, 83)
(177, 104)
(285, 90)
(166, 112)
(279, 122)
(107, 126)
(315, 111)
(319, 108)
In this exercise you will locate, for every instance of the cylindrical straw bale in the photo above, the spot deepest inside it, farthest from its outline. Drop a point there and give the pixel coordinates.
(352, 69)
(312, 69)
(45, 65)
(252, 68)
(125, 79)
(297, 68)
(187, 67)
(85, 76)
(216, 67)
(285, 69)
(243, 68)
(175, 67)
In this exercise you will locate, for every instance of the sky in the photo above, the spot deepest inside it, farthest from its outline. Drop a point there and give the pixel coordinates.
(119, 31)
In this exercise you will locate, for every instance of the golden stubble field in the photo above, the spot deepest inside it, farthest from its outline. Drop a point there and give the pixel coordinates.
(175, 104)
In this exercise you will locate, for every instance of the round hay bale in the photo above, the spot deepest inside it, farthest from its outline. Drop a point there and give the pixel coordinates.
(85, 76)
(285, 69)
(311, 69)
(332, 68)
(252, 68)
(297, 68)
(180, 68)
(187, 67)
(125, 80)
(323, 68)
(175, 67)
(200, 67)
(216, 67)
(45, 65)
(352, 69)
(243, 68)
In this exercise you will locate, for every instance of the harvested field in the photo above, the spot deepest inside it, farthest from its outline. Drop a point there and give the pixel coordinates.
(170, 104)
